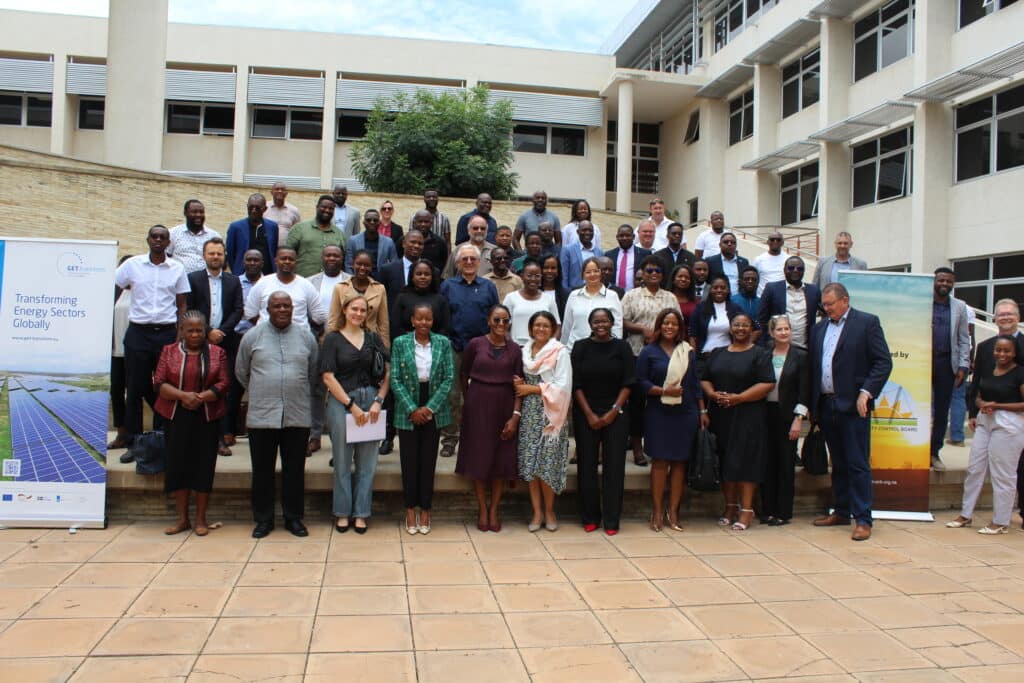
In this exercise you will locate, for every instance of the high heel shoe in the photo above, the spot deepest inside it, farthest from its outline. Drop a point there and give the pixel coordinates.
(674, 526)
(743, 526)
(655, 525)
(726, 520)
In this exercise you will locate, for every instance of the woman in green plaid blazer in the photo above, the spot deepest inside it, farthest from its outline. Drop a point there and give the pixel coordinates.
(422, 373)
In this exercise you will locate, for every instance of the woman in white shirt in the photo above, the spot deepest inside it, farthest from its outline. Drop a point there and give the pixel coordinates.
(527, 301)
(593, 294)
(713, 316)
(580, 212)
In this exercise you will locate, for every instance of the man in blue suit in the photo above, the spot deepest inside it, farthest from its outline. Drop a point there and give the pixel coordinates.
(727, 262)
(573, 255)
(252, 232)
(850, 364)
(792, 297)
(626, 258)
(382, 249)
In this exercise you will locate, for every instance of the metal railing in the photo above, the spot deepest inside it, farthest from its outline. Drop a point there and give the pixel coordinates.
(799, 241)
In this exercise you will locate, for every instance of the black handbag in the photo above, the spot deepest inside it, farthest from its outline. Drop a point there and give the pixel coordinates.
(814, 452)
(149, 451)
(377, 368)
(703, 473)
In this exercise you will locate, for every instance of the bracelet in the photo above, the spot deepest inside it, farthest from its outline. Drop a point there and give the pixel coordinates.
(703, 411)
(517, 413)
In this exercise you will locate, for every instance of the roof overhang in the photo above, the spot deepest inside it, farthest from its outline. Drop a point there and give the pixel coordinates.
(727, 81)
(873, 119)
(657, 96)
(791, 38)
(996, 67)
(796, 151)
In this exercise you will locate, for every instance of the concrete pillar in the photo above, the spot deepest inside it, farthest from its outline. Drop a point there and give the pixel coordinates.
(834, 201)
(136, 59)
(240, 141)
(836, 70)
(934, 26)
(328, 141)
(714, 140)
(624, 150)
(767, 114)
(834, 162)
(62, 123)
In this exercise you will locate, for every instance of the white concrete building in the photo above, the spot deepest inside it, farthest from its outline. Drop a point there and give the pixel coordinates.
(900, 121)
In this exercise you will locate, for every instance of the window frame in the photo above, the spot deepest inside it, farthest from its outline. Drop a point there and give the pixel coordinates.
(202, 117)
(876, 32)
(24, 97)
(802, 71)
(549, 135)
(801, 186)
(999, 4)
(351, 114)
(990, 282)
(82, 101)
(877, 160)
(741, 112)
(692, 133)
(287, 123)
(647, 183)
(992, 123)
(725, 16)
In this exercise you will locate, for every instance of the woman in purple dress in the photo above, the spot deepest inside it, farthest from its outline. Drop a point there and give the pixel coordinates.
(490, 415)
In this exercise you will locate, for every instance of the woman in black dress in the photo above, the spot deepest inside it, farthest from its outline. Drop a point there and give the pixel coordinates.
(422, 289)
(785, 410)
(670, 418)
(602, 374)
(736, 379)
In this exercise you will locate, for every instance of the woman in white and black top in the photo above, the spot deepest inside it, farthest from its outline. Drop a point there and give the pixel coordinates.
(527, 301)
(711, 327)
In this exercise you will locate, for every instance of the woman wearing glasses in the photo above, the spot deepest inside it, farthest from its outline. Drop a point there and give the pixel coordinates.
(640, 308)
(389, 228)
(593, 294)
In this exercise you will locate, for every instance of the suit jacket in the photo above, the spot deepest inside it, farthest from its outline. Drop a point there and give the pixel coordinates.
(350, 226)
(824, 269)
(959, 335)
(639, 254)
(715, 266)
(386, 251)
(231, 303)
(397, 234)
(794, 383)
(572, 264)
(237, 243)
(773, 302)
(984, 364)
(669, 263)
(405, 382)
(392, 276)
(699, 327)
(861, 360)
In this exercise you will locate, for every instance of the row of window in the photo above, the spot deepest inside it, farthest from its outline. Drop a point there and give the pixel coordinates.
(540, 139)
(20, 109)
(644, 162)
(973, 10)
(990, 134)
(284, 123)
(735, 15)
(981, 282)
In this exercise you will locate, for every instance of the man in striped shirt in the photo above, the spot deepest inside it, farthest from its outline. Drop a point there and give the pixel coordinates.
(440, 225)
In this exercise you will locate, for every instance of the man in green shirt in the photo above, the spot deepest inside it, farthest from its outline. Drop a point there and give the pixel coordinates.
(309, 238)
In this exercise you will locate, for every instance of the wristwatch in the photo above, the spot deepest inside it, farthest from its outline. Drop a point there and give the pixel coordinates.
(378, 399)
(348, 406)
(704, 411)
(617, 408)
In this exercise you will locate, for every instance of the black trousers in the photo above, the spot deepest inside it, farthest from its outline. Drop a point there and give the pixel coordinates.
(417, 451)
(142, 347)
(264, 445)
(780, 465)
(118, 386)
(942, 395)
(604, 496)
(191, 451)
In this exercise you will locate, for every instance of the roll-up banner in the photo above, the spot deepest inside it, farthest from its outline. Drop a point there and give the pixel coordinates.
(56, 318)
(901, 421)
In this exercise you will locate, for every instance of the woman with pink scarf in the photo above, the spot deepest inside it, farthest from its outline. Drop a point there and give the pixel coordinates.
(544, 426)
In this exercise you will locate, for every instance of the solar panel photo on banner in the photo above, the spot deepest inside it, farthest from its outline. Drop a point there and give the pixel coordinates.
(46, 450)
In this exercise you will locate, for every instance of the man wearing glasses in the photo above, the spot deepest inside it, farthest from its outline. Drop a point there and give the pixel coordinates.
(794, 298)
(478, 238)
(471, 299)
(771, 264)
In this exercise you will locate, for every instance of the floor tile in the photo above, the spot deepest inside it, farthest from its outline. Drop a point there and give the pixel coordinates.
(178, 601)
(364, 574)
(361, 667)
(352, 600)
(8, 549)
(290, 551)
(444, 573)
(714, 544)
(35, 575)
(695, 660)
(673, 567)
(777, 588)
(362, 552)
(538, 597)
(49, 669)
(276, 601)
(199, 574)
(621, 594)
(578, 664)
(205, 550)
(1010, 673)
(953, 646)
(916, 581)
(492, 666)
(809, 562)
(510, 550)
(990, 554)
(896, 612)
(374, 633)
(819, 616)
(74, 601)
(849, 585)
(450, 599)
(648, 547)
(1005, 632)
(223, 668)
(968, 608)
(162, 668)
(282, 574)
(858, 651)
(599, 570)
(932, 675)
(460, 631)
(136, 551)
(701, 591)
(546, 629)
(742, 565)
(735, 621)
(55, 552)
(648, 625)
(441, 531)
(261, 635)
(114, 575)
(583, 549)
(137, 636)
(523, 571)
(16, 601)
(770, 540)
(780, 657)
(451, 551)
(36, 637)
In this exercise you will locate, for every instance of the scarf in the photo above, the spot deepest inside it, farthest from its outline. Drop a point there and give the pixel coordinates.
(677, 366)
(555, 398)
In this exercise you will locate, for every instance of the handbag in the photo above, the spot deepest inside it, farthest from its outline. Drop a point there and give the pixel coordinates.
(377, 368)
(149, 451)
(814, 452)
(703, 473)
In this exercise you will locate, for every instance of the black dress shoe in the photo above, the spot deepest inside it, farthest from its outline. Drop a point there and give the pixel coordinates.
(262, 529)
(386, 446)
(296, 527)
(127, 457)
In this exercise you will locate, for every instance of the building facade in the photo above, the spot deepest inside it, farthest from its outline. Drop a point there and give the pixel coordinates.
(899, 121)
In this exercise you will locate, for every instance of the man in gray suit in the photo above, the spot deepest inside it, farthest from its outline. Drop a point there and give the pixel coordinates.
(951, 355)
(346, 217)
(829, 267)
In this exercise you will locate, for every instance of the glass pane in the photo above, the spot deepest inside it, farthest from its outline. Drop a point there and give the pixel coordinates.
(811, 59)
(609, 174)
(693, 128)
(891, 175)
(269, 123)
(571, 141)
(808, 200)
(647, 133)
(748, 121)
(865, 151)
(644, 151)
(1010, 100)
(90, 114)
(973, 296)
(39, 111)
(307, 125)
(1011, 266)
(973, 112)
(530, 139)
(811, 88)
(893, 8)
(790, 98)
(1010, 142)
(791, 70)
(645, 175)
(972, 10)
(864, 185)
(694, 210)
(972, 153)
(865, 25)
(809, 171)
(183, 118)
(895, 40)
(218, 120)
(612, 130)
(790, 179)
(789, 208)
(736, 16)
(735, 128)
(1015, 292)
(351, 127)
(971, 270)
(865, 57)
(10, 110)
(893, 141)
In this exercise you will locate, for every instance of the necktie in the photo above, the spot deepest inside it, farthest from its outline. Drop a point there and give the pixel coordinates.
(408, 273)
(622, 269)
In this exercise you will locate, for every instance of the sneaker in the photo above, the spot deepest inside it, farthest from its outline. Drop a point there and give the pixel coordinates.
(937, 464)
(447, 450)
(955, 443)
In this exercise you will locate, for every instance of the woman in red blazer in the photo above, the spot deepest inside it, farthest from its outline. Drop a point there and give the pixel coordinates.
(191, 381)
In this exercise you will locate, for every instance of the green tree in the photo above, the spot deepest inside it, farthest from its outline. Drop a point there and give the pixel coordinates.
(458, 144)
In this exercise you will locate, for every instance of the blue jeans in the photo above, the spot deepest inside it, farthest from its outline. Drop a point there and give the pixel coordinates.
(346, 482)
(958, 412)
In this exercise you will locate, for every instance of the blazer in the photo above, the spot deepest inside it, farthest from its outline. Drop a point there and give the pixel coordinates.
(794, 383)
(386, 251)
(350, 226)
(715, 266)
(699, 329)
(572, 264)
(639, 254)
(669, 263)
(773, 302)
(861, 360)
(392, 276)
(823, 271)
(984, 364)
(170, 369)
(231, 303)
(237, 243)
(959, 335)
(397, 233)
(405, 383)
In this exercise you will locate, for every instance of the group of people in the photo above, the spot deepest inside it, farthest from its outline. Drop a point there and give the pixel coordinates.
(479, 349)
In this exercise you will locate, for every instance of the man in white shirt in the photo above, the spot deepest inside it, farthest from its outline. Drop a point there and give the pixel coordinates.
(708, 241)
(281, 212)
(661, 223)
(346, 217)
(188, 238)
(159, 288)
(306, 304)
(771, 264)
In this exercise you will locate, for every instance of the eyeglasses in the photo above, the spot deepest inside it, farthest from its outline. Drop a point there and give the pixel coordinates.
(499, 258)
(652, 269)
(794, 269)
(775, 239)
(468, 259)
(387, 209)
(501, 321)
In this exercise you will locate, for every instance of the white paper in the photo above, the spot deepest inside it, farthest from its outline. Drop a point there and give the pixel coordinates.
(368, 432)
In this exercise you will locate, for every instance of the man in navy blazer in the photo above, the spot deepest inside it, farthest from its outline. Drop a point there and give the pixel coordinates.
(573, 255)
(780, 298)
(252, 232)
(850, 364)
(675, 254)
(724, 262)
(625, 273)
(385, 252)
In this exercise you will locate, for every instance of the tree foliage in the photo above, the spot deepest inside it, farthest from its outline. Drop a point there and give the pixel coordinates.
(458, 144)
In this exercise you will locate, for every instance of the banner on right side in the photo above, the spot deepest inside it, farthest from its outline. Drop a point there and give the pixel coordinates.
(901, 421)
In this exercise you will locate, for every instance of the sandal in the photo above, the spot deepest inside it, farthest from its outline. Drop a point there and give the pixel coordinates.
(178, 528)
(743, 526)
(959, 523)
(989, 531)
(725, 520)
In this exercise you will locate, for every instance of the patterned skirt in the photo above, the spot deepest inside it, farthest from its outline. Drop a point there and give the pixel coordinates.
(544, 458)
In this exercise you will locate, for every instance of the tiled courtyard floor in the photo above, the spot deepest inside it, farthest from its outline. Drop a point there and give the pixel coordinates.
(918, 602)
